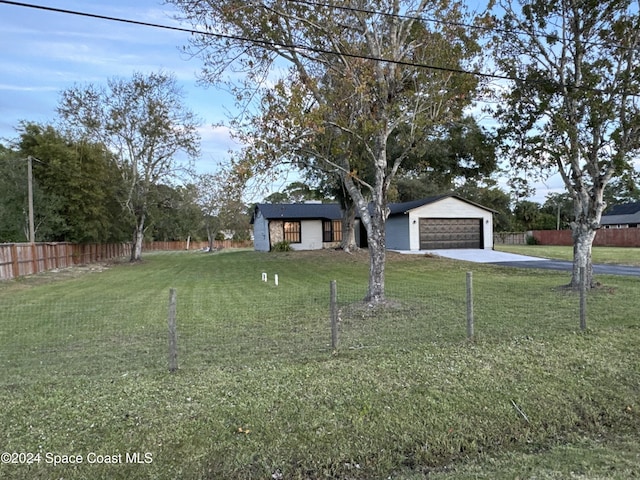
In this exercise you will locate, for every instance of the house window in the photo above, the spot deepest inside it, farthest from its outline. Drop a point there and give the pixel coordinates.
(292, 232)
(332, 231)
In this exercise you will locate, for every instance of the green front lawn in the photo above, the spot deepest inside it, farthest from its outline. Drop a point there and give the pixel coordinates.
(260, 395)
(617, 255)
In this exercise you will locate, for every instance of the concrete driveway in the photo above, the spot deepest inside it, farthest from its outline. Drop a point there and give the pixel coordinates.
(522, 261)
(477, 255)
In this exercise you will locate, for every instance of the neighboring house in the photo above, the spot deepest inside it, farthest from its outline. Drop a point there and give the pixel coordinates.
(626, 215)
(443, 221)
(306, 226)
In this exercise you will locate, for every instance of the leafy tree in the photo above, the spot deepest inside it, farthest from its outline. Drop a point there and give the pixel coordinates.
(490, 196)
(174, 213)
(465, 152)
(560, 206)
(624, 189)
(529, 216)
(295, 192)
(75, 183)
(145, 124)
(220, 200)
(13, 196)
(354, 84)
(575, 107)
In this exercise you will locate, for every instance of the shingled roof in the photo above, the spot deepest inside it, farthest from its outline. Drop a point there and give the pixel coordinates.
(624, 209)
(625, 213)
(298, 211)
(332, 211)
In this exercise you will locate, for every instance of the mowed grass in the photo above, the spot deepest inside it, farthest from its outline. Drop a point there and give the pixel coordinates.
(615, 255)
(261, 395)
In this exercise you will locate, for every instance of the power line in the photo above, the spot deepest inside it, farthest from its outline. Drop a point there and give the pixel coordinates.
(397, 15)
(266, 43)
(492, 28)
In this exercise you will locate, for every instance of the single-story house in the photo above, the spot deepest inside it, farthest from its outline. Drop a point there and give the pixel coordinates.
(443, 221)
(626, 215)
(306, 226)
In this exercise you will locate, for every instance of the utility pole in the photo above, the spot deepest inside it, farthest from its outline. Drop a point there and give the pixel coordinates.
(32, 232)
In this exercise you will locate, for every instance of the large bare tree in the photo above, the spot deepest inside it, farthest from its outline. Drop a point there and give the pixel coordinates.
(144, 122)
(576, 107)
(356, 72)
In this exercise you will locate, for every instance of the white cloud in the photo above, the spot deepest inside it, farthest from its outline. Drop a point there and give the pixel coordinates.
(27, 88)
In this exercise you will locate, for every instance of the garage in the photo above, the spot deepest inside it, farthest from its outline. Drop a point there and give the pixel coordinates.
(440, 233)
(439, 222)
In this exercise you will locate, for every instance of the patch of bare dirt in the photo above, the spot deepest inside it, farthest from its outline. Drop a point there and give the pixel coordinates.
(357, 255)
(58, 274)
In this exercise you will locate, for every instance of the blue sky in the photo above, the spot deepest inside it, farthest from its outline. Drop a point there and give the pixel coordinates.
(44, 53)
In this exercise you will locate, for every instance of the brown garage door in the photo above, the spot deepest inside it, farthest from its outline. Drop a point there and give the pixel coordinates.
(450, 233)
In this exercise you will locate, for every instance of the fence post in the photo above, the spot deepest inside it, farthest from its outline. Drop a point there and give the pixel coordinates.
(173, 334)
(35, 261)
(583, 298)
(334, 314)
(470, 331)
(15, 264)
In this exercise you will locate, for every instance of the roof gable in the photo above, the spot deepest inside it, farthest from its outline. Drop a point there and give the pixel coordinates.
(402, 208)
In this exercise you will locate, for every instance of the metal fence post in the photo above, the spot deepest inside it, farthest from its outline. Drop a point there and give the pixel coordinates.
(173, 334)
(470, 326)
(334, 314)
(583, 298)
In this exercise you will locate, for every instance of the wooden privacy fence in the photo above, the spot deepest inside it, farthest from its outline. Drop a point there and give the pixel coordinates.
(510, 238)
(19, 259)
(605, 237)
(195, 245)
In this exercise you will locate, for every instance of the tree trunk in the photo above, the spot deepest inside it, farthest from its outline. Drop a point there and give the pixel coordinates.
(583, 237)
(348, 242)
(374, 222)
(210, 237)
(138, 238)
(377, 255)
(588, 207)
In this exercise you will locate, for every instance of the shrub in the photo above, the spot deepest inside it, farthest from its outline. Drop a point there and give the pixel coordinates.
(531, 240)
(283, 246)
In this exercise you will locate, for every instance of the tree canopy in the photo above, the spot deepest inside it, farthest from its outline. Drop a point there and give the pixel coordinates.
(144, 123)
(75, 185)
(575, 106)
(355, 80)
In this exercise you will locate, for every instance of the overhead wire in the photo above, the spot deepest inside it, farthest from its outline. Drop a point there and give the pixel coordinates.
(400, 16)
(267, 43)
(492, 28)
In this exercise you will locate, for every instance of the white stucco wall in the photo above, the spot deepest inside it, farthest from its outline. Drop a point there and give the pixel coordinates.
(310, 236)
(449, 208)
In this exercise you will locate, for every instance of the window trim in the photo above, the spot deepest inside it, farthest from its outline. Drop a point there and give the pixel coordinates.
(331, 231)
(292, 236)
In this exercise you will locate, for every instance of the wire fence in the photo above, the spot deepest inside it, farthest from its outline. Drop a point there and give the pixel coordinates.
(55, 335)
